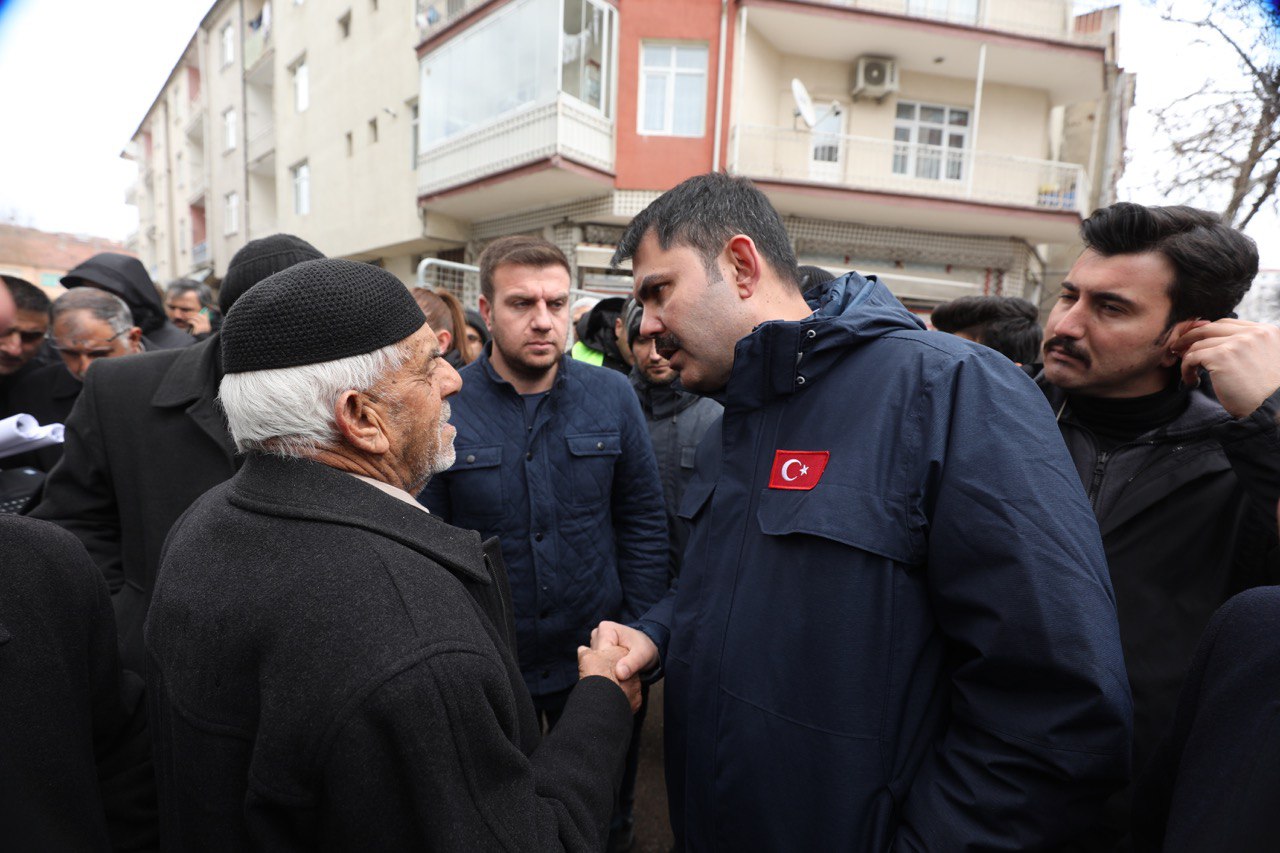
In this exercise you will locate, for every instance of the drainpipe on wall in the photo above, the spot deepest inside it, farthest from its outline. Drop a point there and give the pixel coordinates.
(739, 56)
(724, 23)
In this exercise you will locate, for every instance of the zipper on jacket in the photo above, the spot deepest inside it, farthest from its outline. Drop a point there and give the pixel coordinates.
(1099, 469)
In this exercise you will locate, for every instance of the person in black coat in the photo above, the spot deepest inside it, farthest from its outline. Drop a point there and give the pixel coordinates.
(328, 664)
(127, 278)
(146, 439)
(75, 761)
(1214, 784)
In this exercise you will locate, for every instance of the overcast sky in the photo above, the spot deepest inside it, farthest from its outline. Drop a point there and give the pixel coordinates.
(77, 76)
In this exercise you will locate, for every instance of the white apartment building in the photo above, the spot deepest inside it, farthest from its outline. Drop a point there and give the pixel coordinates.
(284, 115)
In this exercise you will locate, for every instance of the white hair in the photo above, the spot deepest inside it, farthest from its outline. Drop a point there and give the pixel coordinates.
(288, 411)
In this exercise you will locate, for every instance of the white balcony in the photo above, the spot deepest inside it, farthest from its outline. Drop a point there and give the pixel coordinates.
(556, 135)
(261, 148)
(1048, 19)
(911, 172)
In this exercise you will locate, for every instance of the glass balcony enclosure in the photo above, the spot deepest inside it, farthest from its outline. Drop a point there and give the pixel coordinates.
(527, 55)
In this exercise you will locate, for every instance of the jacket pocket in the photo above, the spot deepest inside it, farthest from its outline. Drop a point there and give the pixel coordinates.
(688, 454)
(820, 604)
(592, 457)
(475, 482)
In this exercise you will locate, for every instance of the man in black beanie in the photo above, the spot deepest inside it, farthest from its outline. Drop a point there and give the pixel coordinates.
(145, 439)
(127, 278)
(329, 664)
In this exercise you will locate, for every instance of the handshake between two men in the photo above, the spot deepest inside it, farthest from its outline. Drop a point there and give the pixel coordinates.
(620, 654)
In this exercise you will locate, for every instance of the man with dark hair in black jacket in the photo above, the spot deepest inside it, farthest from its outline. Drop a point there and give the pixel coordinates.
(1168, 407)
(1006, 324)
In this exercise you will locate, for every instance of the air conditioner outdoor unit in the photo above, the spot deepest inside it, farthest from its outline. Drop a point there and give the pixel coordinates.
(875, 77)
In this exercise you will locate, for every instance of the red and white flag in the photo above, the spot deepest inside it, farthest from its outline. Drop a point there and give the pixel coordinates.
(798, 469)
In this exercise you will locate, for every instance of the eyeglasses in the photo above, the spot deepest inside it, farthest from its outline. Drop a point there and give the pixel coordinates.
(27, 337)
(101, 351)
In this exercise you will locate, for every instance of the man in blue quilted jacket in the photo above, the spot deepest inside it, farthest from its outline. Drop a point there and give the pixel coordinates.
(894, 627)
(554, 458)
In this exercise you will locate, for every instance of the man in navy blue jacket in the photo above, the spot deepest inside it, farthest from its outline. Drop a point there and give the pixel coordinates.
(554, 458)
(894, 628)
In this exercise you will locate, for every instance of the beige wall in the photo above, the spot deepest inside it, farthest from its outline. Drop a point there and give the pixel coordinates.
(363, 202)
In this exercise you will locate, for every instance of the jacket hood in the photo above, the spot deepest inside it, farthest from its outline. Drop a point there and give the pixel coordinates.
(127, 278)
(850, 311)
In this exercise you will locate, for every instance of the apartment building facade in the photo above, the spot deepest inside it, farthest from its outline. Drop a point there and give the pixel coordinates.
(950, 146)
(284, 115)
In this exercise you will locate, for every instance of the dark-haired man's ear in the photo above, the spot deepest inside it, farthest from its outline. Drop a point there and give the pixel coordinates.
(746, 264)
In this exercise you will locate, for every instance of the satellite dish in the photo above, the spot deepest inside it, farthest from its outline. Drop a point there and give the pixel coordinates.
(804, 104)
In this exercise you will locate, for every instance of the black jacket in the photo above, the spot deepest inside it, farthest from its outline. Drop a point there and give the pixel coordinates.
(127, 278)
(1215, 782)
(1187, 514)
(48, 394)
(75, 761)
(677, 421)
(146, 439)
(331, 668)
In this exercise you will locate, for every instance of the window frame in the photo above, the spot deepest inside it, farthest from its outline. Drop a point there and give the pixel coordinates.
(301, 94)
(228, 44)
(944, 150)
(300, 174)
(672, 71)
(230, 213)
(230, 129)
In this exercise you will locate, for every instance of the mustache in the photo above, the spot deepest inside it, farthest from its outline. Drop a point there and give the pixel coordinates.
(666, 344)
(1067, 347)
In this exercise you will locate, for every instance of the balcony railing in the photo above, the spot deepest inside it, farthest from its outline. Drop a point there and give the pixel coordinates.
(882, 165)
(561, 127)
(1051, 19)
(433, 16)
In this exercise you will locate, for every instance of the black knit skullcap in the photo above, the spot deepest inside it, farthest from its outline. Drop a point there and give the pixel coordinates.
(317, 311)
(258, 259)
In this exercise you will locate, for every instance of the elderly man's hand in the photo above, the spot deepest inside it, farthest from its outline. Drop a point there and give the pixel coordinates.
(1242, 358)
(603, 662)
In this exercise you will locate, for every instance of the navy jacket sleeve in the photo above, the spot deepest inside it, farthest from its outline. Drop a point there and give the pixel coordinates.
(639, 514)
(1041, 718)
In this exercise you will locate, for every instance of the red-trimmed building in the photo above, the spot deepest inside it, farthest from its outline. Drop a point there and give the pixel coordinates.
(955, 144)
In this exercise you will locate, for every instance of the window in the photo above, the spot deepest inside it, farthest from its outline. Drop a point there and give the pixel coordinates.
(301, 86)
(301, 188)
(956, 11)
(229, 129)
(413, 125)
(673, 89)
(297, 2)
(826, 147)
(231, 213)
(344, 25)
(588, 36)
(373, 130)
(228, 45)
(930, 141)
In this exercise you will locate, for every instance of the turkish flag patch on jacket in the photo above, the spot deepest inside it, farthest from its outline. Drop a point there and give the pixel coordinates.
(798, 469)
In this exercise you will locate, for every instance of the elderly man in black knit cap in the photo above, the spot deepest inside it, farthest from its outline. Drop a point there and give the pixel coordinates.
(145, 439)
(328, 664)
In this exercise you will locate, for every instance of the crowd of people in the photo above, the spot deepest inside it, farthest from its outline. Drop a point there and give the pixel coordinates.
(325, 562)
